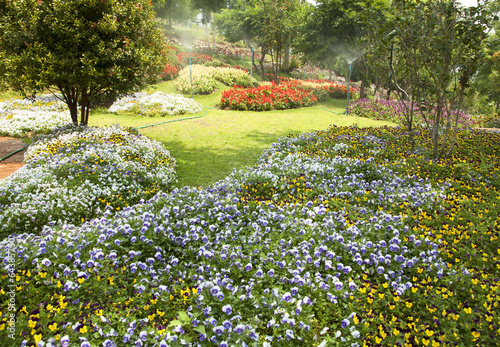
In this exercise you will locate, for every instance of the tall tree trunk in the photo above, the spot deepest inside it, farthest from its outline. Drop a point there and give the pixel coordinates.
(263, 51)
(362, 92)
(84, 107)
(213, 28)
(70, 96)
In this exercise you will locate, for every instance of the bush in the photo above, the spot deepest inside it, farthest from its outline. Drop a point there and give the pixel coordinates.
(204, 78)
(394, 111)
(200, 79)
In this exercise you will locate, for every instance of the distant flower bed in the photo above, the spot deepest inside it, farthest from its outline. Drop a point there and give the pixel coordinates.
(76, 173)
(180, 60)
(267, 97)
(394, 111)
(203, 79)
(488, 121)
(157, 103)
(325, 90)
(18, 117)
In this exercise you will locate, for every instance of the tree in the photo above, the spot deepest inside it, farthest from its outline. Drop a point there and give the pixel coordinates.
(168, 9)
(267, 24)
(437, 48)
(208, 8)
(332, 30)
(85, 50)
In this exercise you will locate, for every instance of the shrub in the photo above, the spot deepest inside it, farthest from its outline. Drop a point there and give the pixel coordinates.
(394, 111)
(200, 80)
(233, 76)
(204, 78)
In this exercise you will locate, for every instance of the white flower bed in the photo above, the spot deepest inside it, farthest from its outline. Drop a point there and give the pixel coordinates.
(204, 79)
(20, 116)
(158, 102)
(77, 172)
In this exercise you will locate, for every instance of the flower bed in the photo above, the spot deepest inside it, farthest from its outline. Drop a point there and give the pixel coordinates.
(155, 104)
(338, 237)
(394, 111)
(19, 117)
(76, 173)
(204, 78)
(180, 60)
(290, 93)
(267, 97)
(325, 90)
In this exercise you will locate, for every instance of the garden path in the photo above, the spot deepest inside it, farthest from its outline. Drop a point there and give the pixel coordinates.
(11, 164)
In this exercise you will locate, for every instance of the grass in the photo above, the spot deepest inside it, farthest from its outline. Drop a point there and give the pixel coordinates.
(207, 149)
(442, 215)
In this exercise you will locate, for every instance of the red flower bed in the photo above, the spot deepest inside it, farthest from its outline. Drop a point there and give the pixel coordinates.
(325, 90)
(179, 60)
(170, 72)
(268, 97)
(196, 58)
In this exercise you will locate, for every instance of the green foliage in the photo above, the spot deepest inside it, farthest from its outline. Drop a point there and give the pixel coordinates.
(83, 49)
(271, 25)
(433, 49)
(331, 29)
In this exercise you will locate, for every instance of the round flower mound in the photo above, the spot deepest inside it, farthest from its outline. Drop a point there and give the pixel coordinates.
(197, 80)
(339, 237)
(157, 103)
(21, 116)
(76, 173)
(203, 79)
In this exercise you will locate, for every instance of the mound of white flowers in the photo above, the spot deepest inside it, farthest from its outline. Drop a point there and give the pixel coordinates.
(75, 173)
(158, 103)
(40, 115)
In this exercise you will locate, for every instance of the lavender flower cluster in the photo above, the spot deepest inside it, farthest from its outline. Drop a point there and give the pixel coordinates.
(255, 266)
(395, 111)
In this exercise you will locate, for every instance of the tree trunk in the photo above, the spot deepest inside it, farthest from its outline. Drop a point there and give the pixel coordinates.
(208, 36)
(213, 27)
(362, 92)
(84, 108)
(70, 96)
(263, 51)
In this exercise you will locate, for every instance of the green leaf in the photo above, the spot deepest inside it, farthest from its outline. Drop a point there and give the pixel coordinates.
(183, 316)
(174, 323)
(200, 329)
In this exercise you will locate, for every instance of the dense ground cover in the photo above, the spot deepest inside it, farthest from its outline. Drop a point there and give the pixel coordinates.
(75, 173)
(155, 104)
(339, 235)
(18, 117)
(395, 110)
(289, 93)
(200, 79)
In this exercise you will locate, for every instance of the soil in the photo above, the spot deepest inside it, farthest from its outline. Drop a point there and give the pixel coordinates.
(9, 145)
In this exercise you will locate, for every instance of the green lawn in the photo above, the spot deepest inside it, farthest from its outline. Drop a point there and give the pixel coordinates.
(210, 147)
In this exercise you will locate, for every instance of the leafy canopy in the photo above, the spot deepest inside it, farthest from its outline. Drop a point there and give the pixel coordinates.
(83, 49)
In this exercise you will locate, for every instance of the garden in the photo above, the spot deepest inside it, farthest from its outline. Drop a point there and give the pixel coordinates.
(341, 236)
(211, 206)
